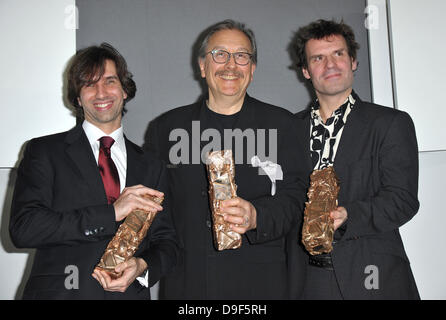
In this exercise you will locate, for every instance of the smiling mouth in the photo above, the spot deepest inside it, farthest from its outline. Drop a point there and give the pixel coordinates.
(103, 106)
(229, 75)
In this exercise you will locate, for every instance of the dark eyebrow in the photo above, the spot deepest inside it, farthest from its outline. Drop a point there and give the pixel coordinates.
(315, 56)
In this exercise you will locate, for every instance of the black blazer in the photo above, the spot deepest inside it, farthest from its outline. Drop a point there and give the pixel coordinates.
(60, 207)
(257, 270)
(377, 164)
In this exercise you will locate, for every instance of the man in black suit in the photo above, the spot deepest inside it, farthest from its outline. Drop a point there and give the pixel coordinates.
(266, 208)
(373, 150)
(74, 188)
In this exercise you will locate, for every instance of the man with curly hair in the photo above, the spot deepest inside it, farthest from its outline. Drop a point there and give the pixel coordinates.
(373, 150)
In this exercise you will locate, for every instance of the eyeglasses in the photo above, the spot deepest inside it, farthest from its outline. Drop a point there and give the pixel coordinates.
(223, 56)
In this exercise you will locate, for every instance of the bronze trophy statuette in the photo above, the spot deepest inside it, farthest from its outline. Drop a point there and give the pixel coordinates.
(221, 174)
(127, 239)
(318, 230)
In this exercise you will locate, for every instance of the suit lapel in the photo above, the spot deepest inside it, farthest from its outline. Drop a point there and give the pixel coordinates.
(79, 150)
(303, 128)
(198, 115)
(136, 168)
(352, 133)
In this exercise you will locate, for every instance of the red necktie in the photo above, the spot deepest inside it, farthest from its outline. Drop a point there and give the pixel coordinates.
(108, 170)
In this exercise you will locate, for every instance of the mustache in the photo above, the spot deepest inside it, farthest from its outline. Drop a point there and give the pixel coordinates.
(229, 73)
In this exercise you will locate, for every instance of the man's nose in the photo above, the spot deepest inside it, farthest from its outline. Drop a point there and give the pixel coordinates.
(100, 90)
(231, 62)
(330, 62)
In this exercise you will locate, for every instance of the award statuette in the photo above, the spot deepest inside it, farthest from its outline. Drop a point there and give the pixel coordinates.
(127, 239)
(221, 173)
(318, 230)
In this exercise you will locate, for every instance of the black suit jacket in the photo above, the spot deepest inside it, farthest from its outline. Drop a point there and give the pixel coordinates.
(60, 207)
(377, 164)
(257, 270)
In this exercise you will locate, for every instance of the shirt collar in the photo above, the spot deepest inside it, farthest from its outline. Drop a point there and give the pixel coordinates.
(315, 113)
(94, 134)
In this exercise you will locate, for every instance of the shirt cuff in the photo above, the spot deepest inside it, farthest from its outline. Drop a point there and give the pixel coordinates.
(144, 280)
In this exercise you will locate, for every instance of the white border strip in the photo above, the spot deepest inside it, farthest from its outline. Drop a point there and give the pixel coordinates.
(379, 51)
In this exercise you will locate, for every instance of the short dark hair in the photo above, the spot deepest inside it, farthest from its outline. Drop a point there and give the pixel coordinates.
(88, 66)
(321, 29)
(227, 24)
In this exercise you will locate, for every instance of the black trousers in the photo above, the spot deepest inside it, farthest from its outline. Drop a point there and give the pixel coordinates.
(321, 284)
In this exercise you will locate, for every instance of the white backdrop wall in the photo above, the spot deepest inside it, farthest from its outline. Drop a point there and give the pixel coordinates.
(405, 74)
(417, 36)
(38, 38)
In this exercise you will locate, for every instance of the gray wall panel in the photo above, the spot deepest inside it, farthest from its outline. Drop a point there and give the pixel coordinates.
(156, 38)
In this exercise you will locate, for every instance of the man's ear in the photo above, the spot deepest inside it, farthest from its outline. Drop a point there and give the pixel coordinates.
(306, 73)
(253, 68)
(201, 63)
(79, 101)
(354, 64)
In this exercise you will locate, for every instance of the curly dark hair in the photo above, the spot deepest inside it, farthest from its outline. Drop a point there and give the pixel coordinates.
(88, 66)
(321, 29)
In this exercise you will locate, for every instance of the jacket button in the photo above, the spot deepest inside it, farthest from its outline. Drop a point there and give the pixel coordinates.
(208, 223)
(87, 232)
(204, 193)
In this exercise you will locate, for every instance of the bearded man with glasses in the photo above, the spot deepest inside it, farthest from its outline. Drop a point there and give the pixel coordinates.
(266, 206)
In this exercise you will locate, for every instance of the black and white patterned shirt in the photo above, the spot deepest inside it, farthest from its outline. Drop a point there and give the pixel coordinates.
(325, 137)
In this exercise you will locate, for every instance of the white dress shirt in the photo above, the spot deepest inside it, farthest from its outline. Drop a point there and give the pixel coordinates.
(119, 156)
(118, 150)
